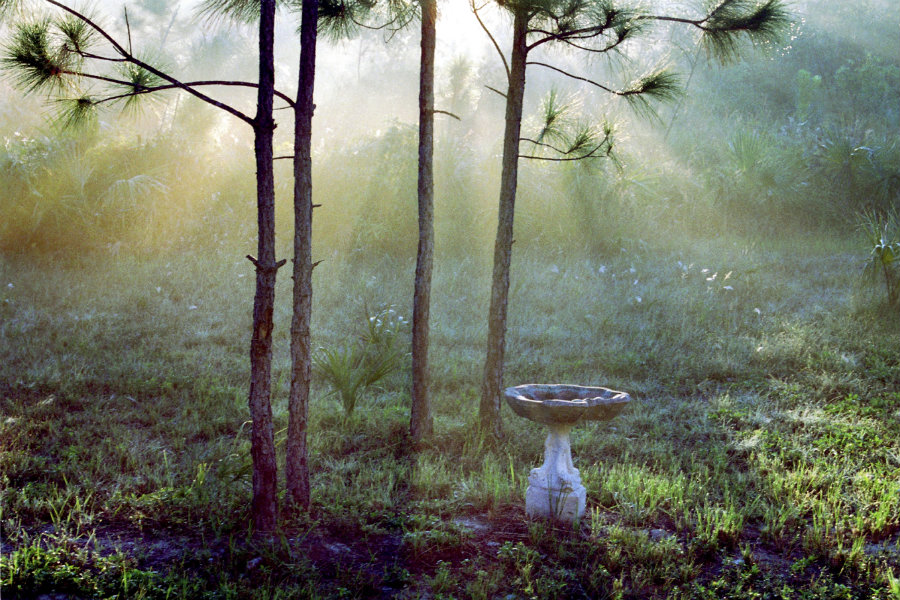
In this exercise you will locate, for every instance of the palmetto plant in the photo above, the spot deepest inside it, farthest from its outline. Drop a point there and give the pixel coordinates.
(353, 367)
(61, 195)
(765, 171)
(882, 231)
(856, 162)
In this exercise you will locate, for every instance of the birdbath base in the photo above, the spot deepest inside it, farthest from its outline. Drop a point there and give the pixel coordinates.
(554, 489)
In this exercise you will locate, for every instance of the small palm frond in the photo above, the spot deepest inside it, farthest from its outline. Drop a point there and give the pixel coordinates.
(763, 22)
(336, 365)
(341, 369)
(882, 231)
(379, 366)
(351, 368)
(134, 191)
(748, 150)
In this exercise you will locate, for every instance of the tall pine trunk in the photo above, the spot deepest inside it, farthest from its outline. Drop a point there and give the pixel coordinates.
(491, 387)
(297, 467)
(421, 423)
(262, 449)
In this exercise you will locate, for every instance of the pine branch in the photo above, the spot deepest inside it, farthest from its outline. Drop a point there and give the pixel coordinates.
(496, 91)
(553, 119)
(661, 85)
(490, 36)
(603, 50)
(34, 65)
(339, 19)
(559, 134)
(545, 145)
(239, 11)
(75, 112)
(761, 21)
(397, 16)
(607, 21)
(446, 112)
(620, 38)
(92, 56)
(573, 76)
(79, 36)
(192, 84)
(565, 158)
(149, 68)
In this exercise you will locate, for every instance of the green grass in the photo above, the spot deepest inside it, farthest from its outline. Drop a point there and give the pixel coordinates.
(760, 457)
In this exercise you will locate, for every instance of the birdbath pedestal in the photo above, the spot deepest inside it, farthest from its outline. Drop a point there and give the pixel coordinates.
(554, 489)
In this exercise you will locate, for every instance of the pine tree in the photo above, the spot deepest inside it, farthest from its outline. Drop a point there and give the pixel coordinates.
(62, 55)
(590, 27)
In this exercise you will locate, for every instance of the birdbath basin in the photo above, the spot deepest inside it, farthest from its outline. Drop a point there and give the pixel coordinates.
(554, 489)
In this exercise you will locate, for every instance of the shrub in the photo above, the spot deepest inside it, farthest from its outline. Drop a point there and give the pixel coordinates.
(882, 232)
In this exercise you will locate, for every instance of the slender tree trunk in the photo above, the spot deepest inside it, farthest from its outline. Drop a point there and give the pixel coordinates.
(297, 467)
(421, 423)
(491, 387)
(262, 449)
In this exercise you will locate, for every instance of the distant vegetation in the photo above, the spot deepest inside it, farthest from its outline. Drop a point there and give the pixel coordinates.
(799, 141)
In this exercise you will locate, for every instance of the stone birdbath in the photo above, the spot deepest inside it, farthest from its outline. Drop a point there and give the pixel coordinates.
(554, 489)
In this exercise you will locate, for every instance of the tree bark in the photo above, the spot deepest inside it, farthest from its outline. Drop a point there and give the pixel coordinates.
(262, 450)
(421, 423)
(297, 466)
(492, 383)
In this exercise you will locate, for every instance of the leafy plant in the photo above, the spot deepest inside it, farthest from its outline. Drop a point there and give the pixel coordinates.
(765, 172)
(882, 231)
(353, 367)
(383, 328)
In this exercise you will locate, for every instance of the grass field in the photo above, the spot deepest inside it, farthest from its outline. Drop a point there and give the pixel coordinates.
(760, 457)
